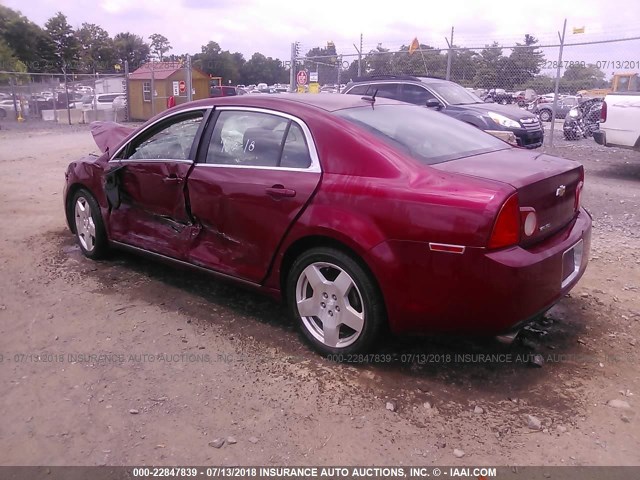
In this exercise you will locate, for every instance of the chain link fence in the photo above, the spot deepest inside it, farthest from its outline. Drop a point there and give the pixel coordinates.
(72, 98)
(507, 73)
(83, 98)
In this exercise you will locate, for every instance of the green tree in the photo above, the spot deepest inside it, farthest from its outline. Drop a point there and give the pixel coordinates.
(29, 43)
(490, 72)
(583, 77)
(159, 45)
(325, 61)
(524, 62)
(66, 46)
(263, 69)
(8, 61)
(220, 63)
(351, 72)
(132, 48)
(97, 49)
(378, 61)
(426, 61)
(464, 66)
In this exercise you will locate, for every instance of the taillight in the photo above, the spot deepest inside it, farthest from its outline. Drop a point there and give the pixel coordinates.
(506, 230)
(603, 112)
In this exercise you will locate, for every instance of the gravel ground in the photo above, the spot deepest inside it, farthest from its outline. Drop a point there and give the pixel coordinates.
(126, 361)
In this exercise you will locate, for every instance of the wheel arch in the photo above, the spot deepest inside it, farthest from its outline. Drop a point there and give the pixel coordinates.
(68, 203)
(300, 245)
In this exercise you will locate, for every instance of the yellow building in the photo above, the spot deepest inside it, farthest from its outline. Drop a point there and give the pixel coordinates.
(157, 82)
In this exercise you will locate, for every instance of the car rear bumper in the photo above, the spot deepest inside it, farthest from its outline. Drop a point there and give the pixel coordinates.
(478, 292)
(600, 137)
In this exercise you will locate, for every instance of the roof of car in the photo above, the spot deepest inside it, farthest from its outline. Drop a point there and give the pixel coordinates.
(397, 78)
(330, 103)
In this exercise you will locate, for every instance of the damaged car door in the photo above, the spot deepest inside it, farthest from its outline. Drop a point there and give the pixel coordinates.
(255, 173)
(146, 185)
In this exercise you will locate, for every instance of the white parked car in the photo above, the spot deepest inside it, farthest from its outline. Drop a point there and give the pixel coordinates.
(620, 121)
(104, 101)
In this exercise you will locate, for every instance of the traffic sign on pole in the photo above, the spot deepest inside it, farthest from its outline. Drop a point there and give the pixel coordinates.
(301, 77)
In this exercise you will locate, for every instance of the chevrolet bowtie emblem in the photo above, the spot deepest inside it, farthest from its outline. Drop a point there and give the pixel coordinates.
(560, 191)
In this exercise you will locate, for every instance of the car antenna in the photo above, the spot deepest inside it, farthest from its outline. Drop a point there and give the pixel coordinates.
(371, 98)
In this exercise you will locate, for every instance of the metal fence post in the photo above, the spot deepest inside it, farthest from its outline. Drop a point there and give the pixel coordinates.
(557, 86)
(449, 55)
(66, 94)
(126, 91)
(153, 91)
(13, 82)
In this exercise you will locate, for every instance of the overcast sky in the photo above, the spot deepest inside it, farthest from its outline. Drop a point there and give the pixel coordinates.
(269, 27)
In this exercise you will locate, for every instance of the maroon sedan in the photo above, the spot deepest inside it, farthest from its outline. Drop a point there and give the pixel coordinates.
(358, 212)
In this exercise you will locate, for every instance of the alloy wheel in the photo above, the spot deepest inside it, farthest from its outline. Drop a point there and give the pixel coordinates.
(330, 304)
(85, 226)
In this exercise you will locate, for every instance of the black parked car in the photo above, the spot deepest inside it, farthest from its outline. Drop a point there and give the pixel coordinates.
(455, 101)
(499, 96)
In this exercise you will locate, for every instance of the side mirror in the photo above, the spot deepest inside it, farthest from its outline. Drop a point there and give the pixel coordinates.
(433, 103)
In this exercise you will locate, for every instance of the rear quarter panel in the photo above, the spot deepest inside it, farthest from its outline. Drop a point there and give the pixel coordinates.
(370, 194)
(623, 120)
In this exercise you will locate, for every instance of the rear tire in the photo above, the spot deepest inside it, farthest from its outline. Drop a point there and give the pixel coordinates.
(545, 115)
(89, 228)
(335, 302)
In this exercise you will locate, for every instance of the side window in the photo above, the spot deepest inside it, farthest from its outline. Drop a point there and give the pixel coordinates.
(386, 90)
(247, 138)
(296, 152)
(415, 94)
(358, 90)
(172, 141)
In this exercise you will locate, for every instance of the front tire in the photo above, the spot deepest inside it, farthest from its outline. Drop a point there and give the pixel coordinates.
(545, 115)
(335, 301)
(89, 228)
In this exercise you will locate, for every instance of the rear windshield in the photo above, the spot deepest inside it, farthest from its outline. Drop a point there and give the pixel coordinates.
(428, 136)
(454, 94)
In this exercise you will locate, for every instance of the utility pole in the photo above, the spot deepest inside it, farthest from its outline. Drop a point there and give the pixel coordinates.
(189, 80)
(449, 55)
(359, 50)
(292, 69)
(557, 86)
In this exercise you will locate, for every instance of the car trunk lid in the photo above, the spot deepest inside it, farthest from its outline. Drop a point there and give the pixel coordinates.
(545, 183)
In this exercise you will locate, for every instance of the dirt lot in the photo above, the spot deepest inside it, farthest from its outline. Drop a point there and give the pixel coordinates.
(126, 361)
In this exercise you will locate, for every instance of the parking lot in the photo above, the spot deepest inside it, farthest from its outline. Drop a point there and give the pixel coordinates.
(128, 362)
